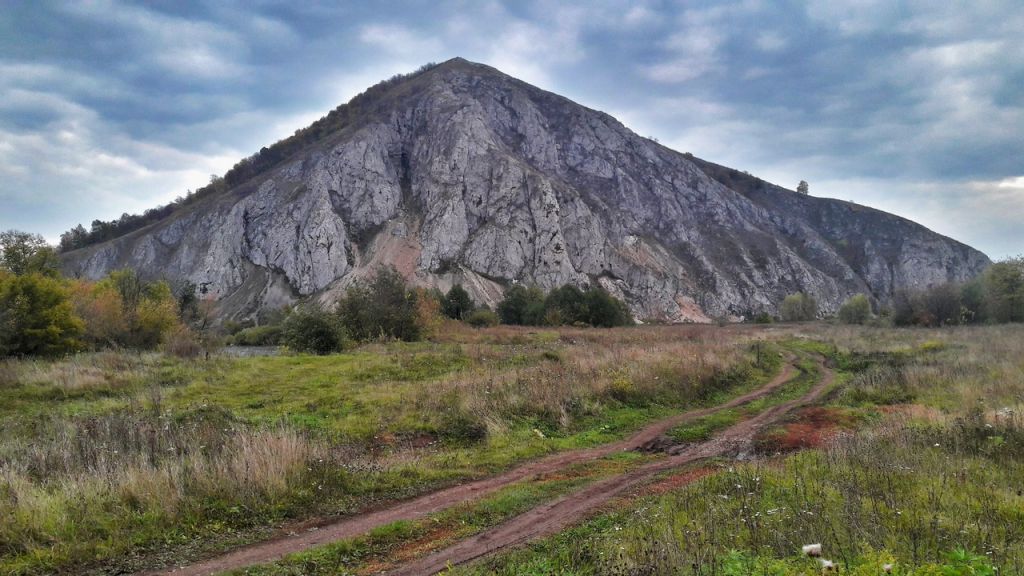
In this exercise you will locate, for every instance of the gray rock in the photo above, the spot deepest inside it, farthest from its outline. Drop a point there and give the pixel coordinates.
(463, 174)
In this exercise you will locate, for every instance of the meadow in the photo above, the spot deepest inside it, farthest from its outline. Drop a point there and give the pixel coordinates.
(121, 461)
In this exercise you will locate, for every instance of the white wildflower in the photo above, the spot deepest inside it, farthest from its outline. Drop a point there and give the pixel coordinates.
(812, 550)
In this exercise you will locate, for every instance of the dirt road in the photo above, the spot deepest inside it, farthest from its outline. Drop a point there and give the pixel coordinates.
(349, 527)
(552, 517)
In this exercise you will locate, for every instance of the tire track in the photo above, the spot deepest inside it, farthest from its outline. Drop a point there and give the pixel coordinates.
(349, 527)
(553, 517)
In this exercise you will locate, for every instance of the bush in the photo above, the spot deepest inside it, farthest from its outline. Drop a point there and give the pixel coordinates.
(566, 305)
(798, 307)
(605, 310)
(482, 318)
(314, 330)
(36, 316)
(182, 342)
(763, 318)
(384, 307)
(124, 310)
(522, 305)
(258, 336)
(856, 310)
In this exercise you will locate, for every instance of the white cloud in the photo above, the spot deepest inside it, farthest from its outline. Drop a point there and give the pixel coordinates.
(399, 41)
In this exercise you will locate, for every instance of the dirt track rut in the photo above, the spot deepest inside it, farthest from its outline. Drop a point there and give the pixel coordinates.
(352, 526)
(552, 517)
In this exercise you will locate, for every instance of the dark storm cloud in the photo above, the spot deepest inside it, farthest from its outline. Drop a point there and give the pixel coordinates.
(107, 107)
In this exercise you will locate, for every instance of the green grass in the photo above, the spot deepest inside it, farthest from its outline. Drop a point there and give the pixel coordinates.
(933, 489)
(111, 460)
(704, 428)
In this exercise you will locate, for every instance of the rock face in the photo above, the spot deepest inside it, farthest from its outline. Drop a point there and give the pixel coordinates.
(460, 173)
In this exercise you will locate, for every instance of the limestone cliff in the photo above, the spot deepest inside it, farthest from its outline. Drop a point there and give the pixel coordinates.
(460, 173)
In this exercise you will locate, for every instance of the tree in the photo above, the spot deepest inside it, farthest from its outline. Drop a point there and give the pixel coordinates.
(36, 316)
(25, 253)
(522, 305)
(942, 304)
(566, 305)
(1004, 290)
(856, 310)
(383, 307)
(457, 303)
(605, 310)
(798, 307)
(803, 188)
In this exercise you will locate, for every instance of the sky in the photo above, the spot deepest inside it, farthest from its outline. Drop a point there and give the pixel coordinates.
(916, 108)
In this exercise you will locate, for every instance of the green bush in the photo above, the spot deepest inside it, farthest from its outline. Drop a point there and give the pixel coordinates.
(312, 329)
(605, 310)
(565, 305)
(36, 316)
(384, 307)
(856, 310)
(798, 307)
(522, 305)
(258, 336)
(482, 318)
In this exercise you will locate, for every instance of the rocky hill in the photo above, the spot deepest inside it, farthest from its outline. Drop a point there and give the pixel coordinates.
(460, 173)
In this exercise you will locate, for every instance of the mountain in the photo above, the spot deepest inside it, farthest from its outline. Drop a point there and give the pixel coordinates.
(459, 173)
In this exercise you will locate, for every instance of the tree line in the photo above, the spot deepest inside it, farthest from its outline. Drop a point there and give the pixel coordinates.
(44, 313)
(996, 296)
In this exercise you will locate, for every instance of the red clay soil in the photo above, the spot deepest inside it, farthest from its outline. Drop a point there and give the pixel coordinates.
(553, 517)
(813, 427)
(352, 526)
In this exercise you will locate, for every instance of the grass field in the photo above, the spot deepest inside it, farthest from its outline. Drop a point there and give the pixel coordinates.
(120, 461)
(916, 461)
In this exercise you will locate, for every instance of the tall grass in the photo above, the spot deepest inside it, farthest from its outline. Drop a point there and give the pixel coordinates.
(932, 484)
(84, 488)
(110, 453)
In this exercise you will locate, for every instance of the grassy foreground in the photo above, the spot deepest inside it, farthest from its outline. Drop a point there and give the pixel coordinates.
(916, 462)
(121, 461)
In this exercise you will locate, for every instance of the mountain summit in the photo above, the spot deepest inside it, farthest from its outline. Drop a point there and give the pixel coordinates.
(461, 174)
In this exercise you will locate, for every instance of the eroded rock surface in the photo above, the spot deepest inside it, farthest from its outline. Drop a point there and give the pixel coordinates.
(463, 174)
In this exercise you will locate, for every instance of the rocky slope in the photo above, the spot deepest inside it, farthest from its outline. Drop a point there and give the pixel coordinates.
(460, 173)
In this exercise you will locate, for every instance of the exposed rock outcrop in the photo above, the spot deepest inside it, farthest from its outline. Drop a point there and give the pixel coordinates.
(462, 174)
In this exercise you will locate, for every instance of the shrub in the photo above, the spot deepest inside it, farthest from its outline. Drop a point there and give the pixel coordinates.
(566, 305)
(124, 310)
(384, 307)
(605, 310)
(312, 329)
(763, 318)
(522, 305)
(856, 310)
(482, 318)
(36, 316)
(798, 307)
(258, 336)
(182, 342)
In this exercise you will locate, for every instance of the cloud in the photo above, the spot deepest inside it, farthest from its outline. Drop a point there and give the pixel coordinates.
(399, 40)
(108, 107)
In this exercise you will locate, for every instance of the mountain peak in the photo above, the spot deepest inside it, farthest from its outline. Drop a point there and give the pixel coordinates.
(490, 183)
